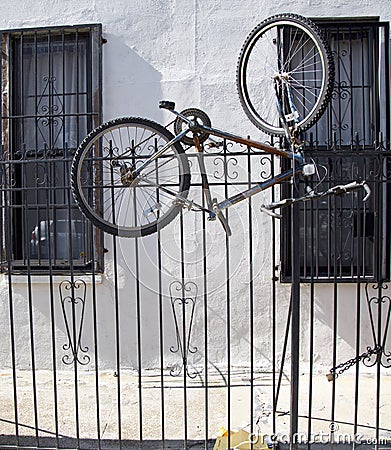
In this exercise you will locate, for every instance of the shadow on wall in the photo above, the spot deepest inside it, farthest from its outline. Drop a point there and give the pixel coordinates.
(344, 304)
(131, 86)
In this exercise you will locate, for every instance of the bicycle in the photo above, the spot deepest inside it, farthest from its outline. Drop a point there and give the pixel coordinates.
(131, 176)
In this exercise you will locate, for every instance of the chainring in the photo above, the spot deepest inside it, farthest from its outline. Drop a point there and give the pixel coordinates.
(194, 114)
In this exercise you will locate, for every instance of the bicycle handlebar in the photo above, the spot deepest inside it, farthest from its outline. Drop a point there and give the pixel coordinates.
(335, 190)
(344, 188)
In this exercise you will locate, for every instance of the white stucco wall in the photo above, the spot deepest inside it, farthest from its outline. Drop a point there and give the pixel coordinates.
(184, 51)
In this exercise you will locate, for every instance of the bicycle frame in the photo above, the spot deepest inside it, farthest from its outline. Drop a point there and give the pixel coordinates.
(296, 157)
(136, 176)
(212, 206)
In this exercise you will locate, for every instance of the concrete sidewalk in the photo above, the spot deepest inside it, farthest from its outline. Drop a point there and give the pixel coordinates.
(174, 409)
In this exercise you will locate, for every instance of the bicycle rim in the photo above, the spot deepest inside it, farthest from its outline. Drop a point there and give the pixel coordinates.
(292, 47)
(105, 190)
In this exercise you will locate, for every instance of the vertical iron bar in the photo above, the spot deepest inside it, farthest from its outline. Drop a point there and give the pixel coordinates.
(161, 323)
(161, 338)
(205, 289)
(351, 89)
(251, 292)
(67, 196)
(48, 186)
(360, 271)
(7, 230)
(51, 288)
(77, 85)
(8, 223)
(8, 246)
(138, 318)
(378, 365)
(31, 321)
(117, 340)
(139, 347)
(96, 347)
(382, 275)
(335, 319)
(274, 307)
(228, 299)
(93, 251)
(24, 216)
(386, 78)
(363, 67)
(311, 325)
(116, 309)
(182, 272)
(339, 97)
(295, 319)
(76, 379)
(295, 315)
(386, 137)
(358, 337)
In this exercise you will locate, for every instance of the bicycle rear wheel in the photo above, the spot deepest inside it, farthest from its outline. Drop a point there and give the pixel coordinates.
(110, 196)
(294, 49)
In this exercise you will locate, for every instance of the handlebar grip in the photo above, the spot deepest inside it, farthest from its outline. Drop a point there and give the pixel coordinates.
(367, 190)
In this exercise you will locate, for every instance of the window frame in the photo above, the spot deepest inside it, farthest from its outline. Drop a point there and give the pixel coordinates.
(22, 261)
(335, 151)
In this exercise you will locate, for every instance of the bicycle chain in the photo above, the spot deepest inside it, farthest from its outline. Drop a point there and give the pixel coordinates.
(343, 367)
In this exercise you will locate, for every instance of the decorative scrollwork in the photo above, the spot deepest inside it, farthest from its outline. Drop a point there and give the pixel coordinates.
(226, 165)
(377, 354)
(41, 175)
(266, 167)
(341, 90)
(74, 319)
(379, 302)
(183, 301)
(381, 144)
(50, 112)
(376, 167)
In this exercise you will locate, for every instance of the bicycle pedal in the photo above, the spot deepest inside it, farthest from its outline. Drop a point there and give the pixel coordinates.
(166, 104)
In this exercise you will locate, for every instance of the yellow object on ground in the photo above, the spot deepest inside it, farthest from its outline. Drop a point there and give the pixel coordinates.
(240, 439)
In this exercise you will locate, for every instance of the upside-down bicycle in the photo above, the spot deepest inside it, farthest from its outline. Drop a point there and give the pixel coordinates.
(131, 176)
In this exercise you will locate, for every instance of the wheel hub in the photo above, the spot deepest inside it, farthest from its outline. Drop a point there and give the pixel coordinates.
(127, 177)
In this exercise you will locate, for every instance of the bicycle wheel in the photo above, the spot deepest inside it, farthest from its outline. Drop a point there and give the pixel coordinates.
(292, 49)
(108, 193)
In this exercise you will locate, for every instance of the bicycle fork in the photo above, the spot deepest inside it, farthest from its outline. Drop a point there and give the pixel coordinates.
(289, 119)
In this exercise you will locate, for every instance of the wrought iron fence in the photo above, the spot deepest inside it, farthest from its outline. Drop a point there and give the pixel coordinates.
(165, 339)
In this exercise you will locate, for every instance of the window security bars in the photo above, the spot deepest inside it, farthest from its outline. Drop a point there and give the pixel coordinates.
(52, 82)
(350, 142)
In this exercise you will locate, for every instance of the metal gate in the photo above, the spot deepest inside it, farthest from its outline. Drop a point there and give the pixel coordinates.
(169, 341)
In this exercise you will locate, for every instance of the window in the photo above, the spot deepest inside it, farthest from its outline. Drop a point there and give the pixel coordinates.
(342, 238)
(51, 83)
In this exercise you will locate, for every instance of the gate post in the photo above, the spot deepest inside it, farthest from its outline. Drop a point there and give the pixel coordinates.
(295, 323)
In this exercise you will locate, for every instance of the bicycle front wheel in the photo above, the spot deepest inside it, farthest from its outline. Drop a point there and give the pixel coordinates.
(293, 49)
(106, 188)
